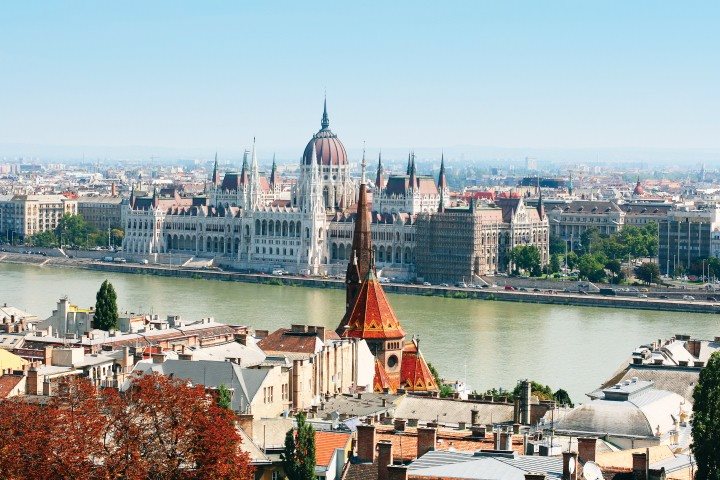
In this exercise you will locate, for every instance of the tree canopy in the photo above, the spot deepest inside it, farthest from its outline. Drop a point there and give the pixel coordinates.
(298, 457)
(161, 428)
(648, 272)
(527, 257)
(706, 421)
(106, 311)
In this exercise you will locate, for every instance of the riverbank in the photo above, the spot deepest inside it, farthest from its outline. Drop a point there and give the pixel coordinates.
(496, 293)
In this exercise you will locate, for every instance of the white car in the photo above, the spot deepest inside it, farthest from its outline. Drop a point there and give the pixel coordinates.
(688, 297)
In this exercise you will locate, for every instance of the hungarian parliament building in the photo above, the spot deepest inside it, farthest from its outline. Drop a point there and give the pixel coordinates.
(246, 220)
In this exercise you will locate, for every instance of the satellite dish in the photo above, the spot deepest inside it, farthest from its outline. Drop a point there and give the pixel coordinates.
(591, 471)
(571, 465)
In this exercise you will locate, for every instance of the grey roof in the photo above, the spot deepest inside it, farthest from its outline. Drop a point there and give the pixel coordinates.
(443, 464)
(368, 404)
(245, 382)
(449, 411)
(249, 355)
(678, 380)
(639, 416)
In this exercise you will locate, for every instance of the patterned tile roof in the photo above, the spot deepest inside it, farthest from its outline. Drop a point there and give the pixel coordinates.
(372, 317)
(415, 375)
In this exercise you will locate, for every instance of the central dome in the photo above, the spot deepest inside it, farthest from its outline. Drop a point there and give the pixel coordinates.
(329, 150)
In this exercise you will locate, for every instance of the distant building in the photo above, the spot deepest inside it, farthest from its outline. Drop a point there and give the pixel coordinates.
(686, 236)
(569, 221)
(25, 215)
(102, 211)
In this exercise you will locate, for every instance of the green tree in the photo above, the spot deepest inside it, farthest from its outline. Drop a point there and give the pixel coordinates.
(106, 311)
(648, 272)
(706, 421)
(590, 240)
(557, 245)
(527, 257)
(224, 398)
(554, 263)
(591, 268)
(298, 457)
(73, 230)
(562, 397)
(572, 260)
(43, 239)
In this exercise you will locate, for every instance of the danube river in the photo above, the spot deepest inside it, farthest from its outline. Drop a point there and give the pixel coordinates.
(487, 343)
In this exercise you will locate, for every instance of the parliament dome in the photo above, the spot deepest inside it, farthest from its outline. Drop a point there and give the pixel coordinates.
(329, 150)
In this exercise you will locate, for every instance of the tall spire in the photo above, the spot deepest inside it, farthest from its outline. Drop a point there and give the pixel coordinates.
(413, 173)
(540, 206)
(409, 165)
(215, 178)
(325, 122)
(361, 256)
(442, 181)
(363, 165)
(245, 172)
(273, 173)
(379, 180)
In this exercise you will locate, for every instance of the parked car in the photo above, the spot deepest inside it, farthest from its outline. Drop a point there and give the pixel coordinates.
(427, 284)
(444, 285)
(509, 287)
(688, 297)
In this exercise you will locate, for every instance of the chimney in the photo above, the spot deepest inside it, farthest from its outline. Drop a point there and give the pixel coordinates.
(48, 355)
(185, 356)
(385, 458)
(693, 346)
(587, 447)
(320, 331)
(640, 465)
(426, 438)
(34, 382)
(366, 443)
(298, 328)
(506, 440)
(158, 357)
(399, 424)
(259, 334)
(474, 417)
(245, 421)
(534, 476)
(397, 472)
(569, 457)
(478, 431)
(241, 338)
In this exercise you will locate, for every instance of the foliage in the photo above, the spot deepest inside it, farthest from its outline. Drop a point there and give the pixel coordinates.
(161, 428)
(435, 373)
(572, 260)
(706, 421)
(554, 263)
(648, 272)
(106, 311)
(44, 239)
(527, 257)
(591, 267)
(446, 390)
(615, 268)
(543, 392)
(298, 457)
(224, 398)
(562, 397)
(73, 230)
(557, 245)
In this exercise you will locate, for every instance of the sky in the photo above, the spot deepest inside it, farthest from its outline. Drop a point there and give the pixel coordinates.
(213, 75)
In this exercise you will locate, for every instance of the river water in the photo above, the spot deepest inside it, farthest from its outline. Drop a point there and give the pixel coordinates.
(487, 343)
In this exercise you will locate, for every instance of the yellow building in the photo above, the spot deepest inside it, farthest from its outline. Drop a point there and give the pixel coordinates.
(10, 361)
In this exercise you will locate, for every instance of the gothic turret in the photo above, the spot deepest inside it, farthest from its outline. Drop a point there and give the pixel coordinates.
(325, 122)
(413, 175)
(273, 174)
(215, 179)
(442, 181)
(380, 175)
(540, 205)
(409, 165)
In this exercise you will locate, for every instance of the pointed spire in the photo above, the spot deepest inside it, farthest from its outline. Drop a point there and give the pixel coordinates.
(409, 165)
(215, 178)
(273, 173)
(540, 205)
(325, 122)
(363, 165)
(442, 181)
(413, 173)
(132, 195)
(379, 177)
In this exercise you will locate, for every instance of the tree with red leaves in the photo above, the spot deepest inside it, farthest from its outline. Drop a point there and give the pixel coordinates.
(161, 428)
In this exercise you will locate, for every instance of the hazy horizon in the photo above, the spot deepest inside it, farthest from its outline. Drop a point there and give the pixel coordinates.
(571, 79)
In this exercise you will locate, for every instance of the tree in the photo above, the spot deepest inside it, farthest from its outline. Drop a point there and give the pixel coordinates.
(591, 268)
(527, 257)
(706, 421)
(557, 245)
(615, 267)
(224, 398)
(648, 272)
(106, 311)
(562, 397)
(44, 239)
(298, 457)
(73, 230)
(572, 260)
(554, 263)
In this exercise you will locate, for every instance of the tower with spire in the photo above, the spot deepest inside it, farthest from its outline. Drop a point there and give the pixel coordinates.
(442, 185)
(380, 174)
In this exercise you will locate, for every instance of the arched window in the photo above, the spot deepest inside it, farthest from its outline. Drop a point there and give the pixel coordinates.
(271, 228)
(257, 227)
(334, 251)
(264, 227)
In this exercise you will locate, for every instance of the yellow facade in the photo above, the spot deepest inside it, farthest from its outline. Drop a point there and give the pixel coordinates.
(10, 361)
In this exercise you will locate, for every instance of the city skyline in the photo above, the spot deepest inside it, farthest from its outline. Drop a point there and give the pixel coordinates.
(469, 77)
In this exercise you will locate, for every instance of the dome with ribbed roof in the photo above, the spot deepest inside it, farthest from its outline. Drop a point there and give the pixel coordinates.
(329, 150)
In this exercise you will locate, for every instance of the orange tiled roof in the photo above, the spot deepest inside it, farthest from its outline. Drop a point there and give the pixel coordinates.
(415, 374)
(382, 380)
(372, 316)
(7, 383)
(326, 443)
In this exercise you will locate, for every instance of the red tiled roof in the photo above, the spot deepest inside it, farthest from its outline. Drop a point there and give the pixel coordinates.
(382, 380)
(415, 375)
(283, 340)
(7, 383)
(372, 316)
(326, 443)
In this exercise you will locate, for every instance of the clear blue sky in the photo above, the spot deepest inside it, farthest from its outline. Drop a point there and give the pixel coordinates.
(505, 73)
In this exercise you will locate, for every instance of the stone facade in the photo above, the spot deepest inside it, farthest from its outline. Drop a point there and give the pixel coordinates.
(25, 215)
